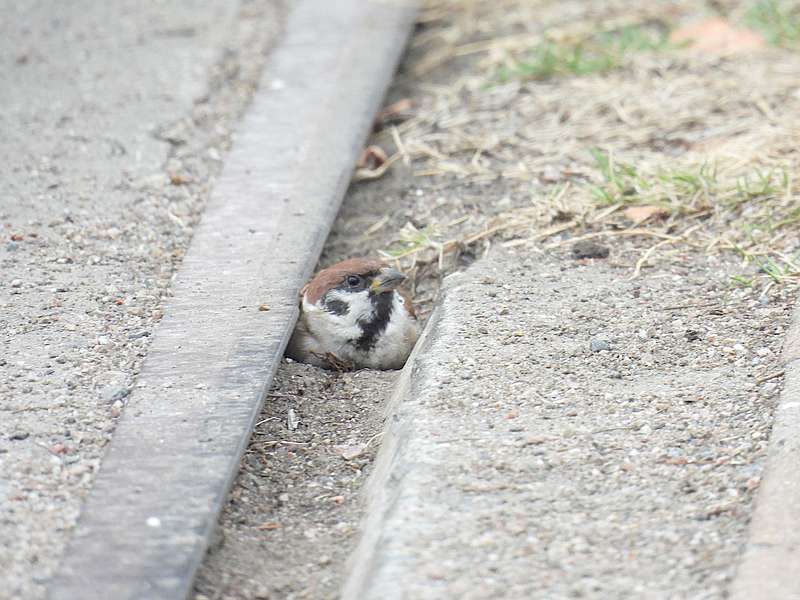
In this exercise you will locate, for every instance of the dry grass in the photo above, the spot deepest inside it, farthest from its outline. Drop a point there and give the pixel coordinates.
(584, 109)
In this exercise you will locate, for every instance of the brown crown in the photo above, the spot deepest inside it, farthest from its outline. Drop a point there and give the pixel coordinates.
(331, 277)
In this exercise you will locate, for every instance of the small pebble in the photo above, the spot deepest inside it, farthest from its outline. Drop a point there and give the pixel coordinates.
(597, 345)
(114, 393)
(589, 249)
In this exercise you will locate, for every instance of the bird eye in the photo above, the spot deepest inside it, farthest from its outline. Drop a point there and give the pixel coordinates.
(353, 280)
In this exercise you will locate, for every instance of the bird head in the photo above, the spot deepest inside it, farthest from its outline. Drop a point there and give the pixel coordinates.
(356, 283)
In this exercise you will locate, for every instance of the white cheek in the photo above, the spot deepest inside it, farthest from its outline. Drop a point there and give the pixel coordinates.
(334, 332)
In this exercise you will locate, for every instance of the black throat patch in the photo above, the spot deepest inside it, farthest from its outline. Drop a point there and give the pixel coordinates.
(372, 329)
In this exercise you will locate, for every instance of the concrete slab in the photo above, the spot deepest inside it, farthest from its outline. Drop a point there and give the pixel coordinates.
(562, 431)
(147, 521)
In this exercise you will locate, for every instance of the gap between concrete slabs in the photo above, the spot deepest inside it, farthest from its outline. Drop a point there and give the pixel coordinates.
(146, 523)
(770, 568)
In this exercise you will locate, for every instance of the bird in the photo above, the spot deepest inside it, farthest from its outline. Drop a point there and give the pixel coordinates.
(353, 315)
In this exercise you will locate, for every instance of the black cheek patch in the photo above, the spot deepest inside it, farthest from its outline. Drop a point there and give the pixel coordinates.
(337, 307)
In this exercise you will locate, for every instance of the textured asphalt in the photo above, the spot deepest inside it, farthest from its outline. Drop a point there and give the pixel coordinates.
(100, 103)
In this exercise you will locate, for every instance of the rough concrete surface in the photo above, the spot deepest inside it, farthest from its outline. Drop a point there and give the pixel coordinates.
(115, 119)
(571, 433)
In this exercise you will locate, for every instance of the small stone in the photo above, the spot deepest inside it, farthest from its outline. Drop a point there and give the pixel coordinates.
(598, 345)
(350, 451)
(263, 307)
(19, 436)
(115, 393)
(292, 420)
(692, 335)
(589, 249)
(138, 334)
(753, 483)
(16, 283)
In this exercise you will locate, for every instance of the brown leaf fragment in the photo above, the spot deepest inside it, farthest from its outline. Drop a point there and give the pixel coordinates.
(640, 214)
(179, 179)
(372, 157)
(717, 36)
(269, 525)
(396, 112)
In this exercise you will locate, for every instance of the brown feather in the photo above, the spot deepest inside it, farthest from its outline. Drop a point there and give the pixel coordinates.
(329, 278)
(407, 300)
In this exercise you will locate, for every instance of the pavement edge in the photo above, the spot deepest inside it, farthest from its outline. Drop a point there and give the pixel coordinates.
(383, 485)
(770, 566)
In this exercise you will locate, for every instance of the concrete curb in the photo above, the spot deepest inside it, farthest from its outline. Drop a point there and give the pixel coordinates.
(381, 490)
(146, 524)
(770, 568)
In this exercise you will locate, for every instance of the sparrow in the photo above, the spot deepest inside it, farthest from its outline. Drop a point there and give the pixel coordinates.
(353, 316)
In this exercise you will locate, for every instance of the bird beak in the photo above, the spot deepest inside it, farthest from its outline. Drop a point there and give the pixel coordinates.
(387, 280)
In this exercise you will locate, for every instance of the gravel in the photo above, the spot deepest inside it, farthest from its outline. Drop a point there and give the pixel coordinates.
(105, 170)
